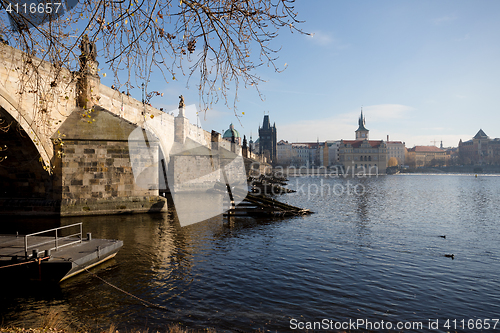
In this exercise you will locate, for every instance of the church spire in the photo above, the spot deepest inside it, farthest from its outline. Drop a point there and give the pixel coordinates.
(362, 131)
(361, 121)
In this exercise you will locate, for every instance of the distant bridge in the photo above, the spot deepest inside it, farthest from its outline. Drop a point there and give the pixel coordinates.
(67, 160)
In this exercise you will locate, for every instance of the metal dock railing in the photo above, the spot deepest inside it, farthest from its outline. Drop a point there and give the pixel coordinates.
(58, 240)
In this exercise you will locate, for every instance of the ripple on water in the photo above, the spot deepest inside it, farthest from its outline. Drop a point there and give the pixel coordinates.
(377, 255)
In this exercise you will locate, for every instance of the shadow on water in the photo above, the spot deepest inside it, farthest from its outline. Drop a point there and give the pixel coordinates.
(158, 263)
(27, 224)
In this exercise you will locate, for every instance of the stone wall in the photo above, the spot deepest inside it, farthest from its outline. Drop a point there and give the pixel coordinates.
(223, 143)
(98, 170)
(96, 177)
(193, 173)
(94, 172)
(198, 134)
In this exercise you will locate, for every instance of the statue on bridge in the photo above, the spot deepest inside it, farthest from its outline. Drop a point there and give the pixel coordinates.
(88, 81)
(181, 107)
(89, 52)
(181, 102)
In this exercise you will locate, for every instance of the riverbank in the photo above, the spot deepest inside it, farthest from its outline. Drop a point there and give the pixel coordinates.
(171, 329)
(486, 169)
(55, 322)
(111, 329)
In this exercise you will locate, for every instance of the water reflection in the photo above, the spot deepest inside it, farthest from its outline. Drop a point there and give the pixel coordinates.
(363, 195)
(377, 255)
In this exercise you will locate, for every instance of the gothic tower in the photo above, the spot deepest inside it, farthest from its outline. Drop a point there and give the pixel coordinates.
(361, 132)
(268, 139)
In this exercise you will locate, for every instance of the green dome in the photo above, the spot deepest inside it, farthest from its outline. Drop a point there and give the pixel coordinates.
(229, 133)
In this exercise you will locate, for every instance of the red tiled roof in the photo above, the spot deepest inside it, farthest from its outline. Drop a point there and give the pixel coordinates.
(308, 144)
(426, 149)
(399, 142)
(357, 143)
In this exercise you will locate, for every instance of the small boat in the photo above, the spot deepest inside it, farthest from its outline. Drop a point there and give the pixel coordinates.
(392, 171)
(49, 256)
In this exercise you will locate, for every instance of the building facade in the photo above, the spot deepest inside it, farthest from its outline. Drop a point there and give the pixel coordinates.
(363, 155)
(306, 154)
(479, 150)
(426, 156)
(396, 150)
(331, 153)
(302, 154)
(284, 153)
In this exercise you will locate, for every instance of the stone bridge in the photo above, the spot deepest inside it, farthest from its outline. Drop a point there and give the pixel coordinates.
(73, 154)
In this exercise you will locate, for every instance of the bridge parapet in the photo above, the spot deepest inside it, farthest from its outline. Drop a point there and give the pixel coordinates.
(126, 106)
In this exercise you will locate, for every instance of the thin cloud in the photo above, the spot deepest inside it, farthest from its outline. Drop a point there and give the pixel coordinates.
(321, 38)
(445, 19)
(465, 37)
(324, 39)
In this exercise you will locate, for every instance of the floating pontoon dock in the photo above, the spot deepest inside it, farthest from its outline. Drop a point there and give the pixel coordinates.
(48, 256)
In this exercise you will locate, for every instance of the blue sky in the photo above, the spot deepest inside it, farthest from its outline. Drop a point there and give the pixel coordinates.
(421, 70)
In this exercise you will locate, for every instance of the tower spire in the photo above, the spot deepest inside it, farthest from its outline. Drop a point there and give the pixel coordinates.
(362, 131)
(361, 121)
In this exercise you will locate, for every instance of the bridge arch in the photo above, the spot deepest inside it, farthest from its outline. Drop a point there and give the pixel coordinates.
(21, 117)
(22, 176)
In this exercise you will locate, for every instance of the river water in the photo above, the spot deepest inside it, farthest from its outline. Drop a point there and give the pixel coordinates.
(372, 251)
